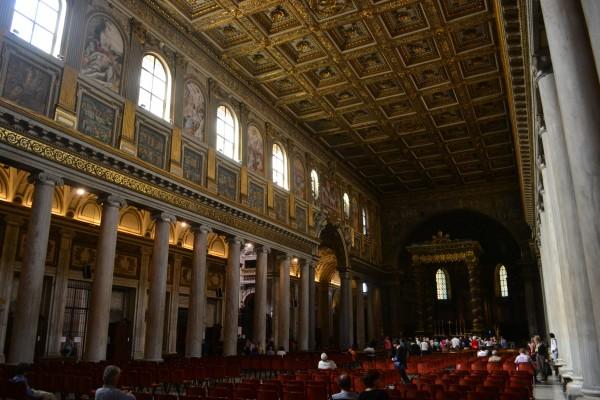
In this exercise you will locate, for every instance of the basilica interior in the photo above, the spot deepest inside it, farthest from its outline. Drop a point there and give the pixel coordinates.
(179, 177)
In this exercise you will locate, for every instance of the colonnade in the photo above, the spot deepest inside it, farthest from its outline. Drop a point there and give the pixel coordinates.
(24, 330)
(569, 191)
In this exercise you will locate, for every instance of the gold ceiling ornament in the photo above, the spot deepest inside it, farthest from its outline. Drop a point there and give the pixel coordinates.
(229, 30)
(303, 46)
(328, 7)
(278, 14)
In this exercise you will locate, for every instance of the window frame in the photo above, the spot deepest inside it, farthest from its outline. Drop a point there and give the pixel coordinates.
(438, 285)
(314, 184)
(502, 282)
(233, 142)
(364, 221)
(59, 26)
(346, 205)
(284, 173)
(166, 101)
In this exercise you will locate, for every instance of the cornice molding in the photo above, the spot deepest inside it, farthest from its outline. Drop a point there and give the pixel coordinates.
(60, 152)
(514, 39)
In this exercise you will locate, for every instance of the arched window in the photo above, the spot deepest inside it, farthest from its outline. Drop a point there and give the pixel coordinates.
(279, 166)
(155, 87)
(228, 138)
(346, 205)
(314, 184)
(364, 221)
(40, 23)
(441, 285)
(502, 279)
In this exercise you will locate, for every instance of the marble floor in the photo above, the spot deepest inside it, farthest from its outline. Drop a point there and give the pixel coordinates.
(550, 390)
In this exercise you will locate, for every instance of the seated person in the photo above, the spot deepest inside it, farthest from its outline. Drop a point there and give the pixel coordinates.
(30, 393)
(326, 363)
(345, 384)
(495, 358)
(523, 358)
(280, 351)
(370, 350)
(482, 353)
(109, 390)
(371, 392)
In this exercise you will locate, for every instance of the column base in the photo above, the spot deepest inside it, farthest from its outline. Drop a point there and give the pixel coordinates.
(573, 390)
(591, 392)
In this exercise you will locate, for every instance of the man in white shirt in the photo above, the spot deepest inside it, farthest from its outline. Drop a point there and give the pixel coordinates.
(326, 363)
(424, 346)
(455, 343)
(523, 358)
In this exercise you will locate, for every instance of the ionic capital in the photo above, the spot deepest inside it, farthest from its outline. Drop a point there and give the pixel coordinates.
(44, 178)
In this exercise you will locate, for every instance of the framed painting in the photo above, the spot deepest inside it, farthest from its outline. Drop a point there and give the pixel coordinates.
(299, 178)
(27, 85)
(96, 119)
(194, 111)
(193, 165)
(227, 183)
(256, 197)
(126, 266)
(151, 146)
(301, 218)
(103, 52)
(280, 204)
(256, 150)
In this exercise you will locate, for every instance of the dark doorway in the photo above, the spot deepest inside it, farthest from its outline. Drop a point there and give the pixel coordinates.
(182, 321)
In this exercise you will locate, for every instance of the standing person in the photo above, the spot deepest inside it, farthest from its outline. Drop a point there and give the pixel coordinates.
(30, 393)
(541, 358)
(370, 380)
(553, 348)
(387, 345)
(400, 360)
(345, 393)
(425, 346)
(109, 390)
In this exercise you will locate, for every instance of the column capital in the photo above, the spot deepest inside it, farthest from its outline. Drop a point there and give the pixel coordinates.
(262, 249)
(112, 200)
(234, 240)
(284, 257)
(146, 250)
(200, 228)
(45, 178)
(163, 217)
(67, 233)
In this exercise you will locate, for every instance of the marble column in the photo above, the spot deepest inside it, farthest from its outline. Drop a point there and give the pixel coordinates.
(7, 272)
(155, 317)
(561, 188)
(360, 315)
(141, 301)
(371, 331)
(324, 314)
(311, 306)
(377, 313)
(346, 310)
(284, 303)
(59, 297)
(173, 312)
(562, 283)
(475, 295)
(303, 326)
(260, 298)
(99, 316)
(232, 297)
(29, 296)
(578, 92)
(591, 10)
(197, 309)
(274, 291)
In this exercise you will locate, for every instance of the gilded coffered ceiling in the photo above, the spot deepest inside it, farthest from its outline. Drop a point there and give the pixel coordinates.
(410, 94)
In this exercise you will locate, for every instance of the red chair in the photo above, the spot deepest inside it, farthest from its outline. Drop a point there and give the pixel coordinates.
(294, 395)
(243, 394)
(513, 396)
(267, 395)
(482, 396)
(316, 392)
(220, 392)
(448, 395)
(17, 391)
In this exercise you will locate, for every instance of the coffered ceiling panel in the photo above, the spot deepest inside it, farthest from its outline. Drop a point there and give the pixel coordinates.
(410, 94)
